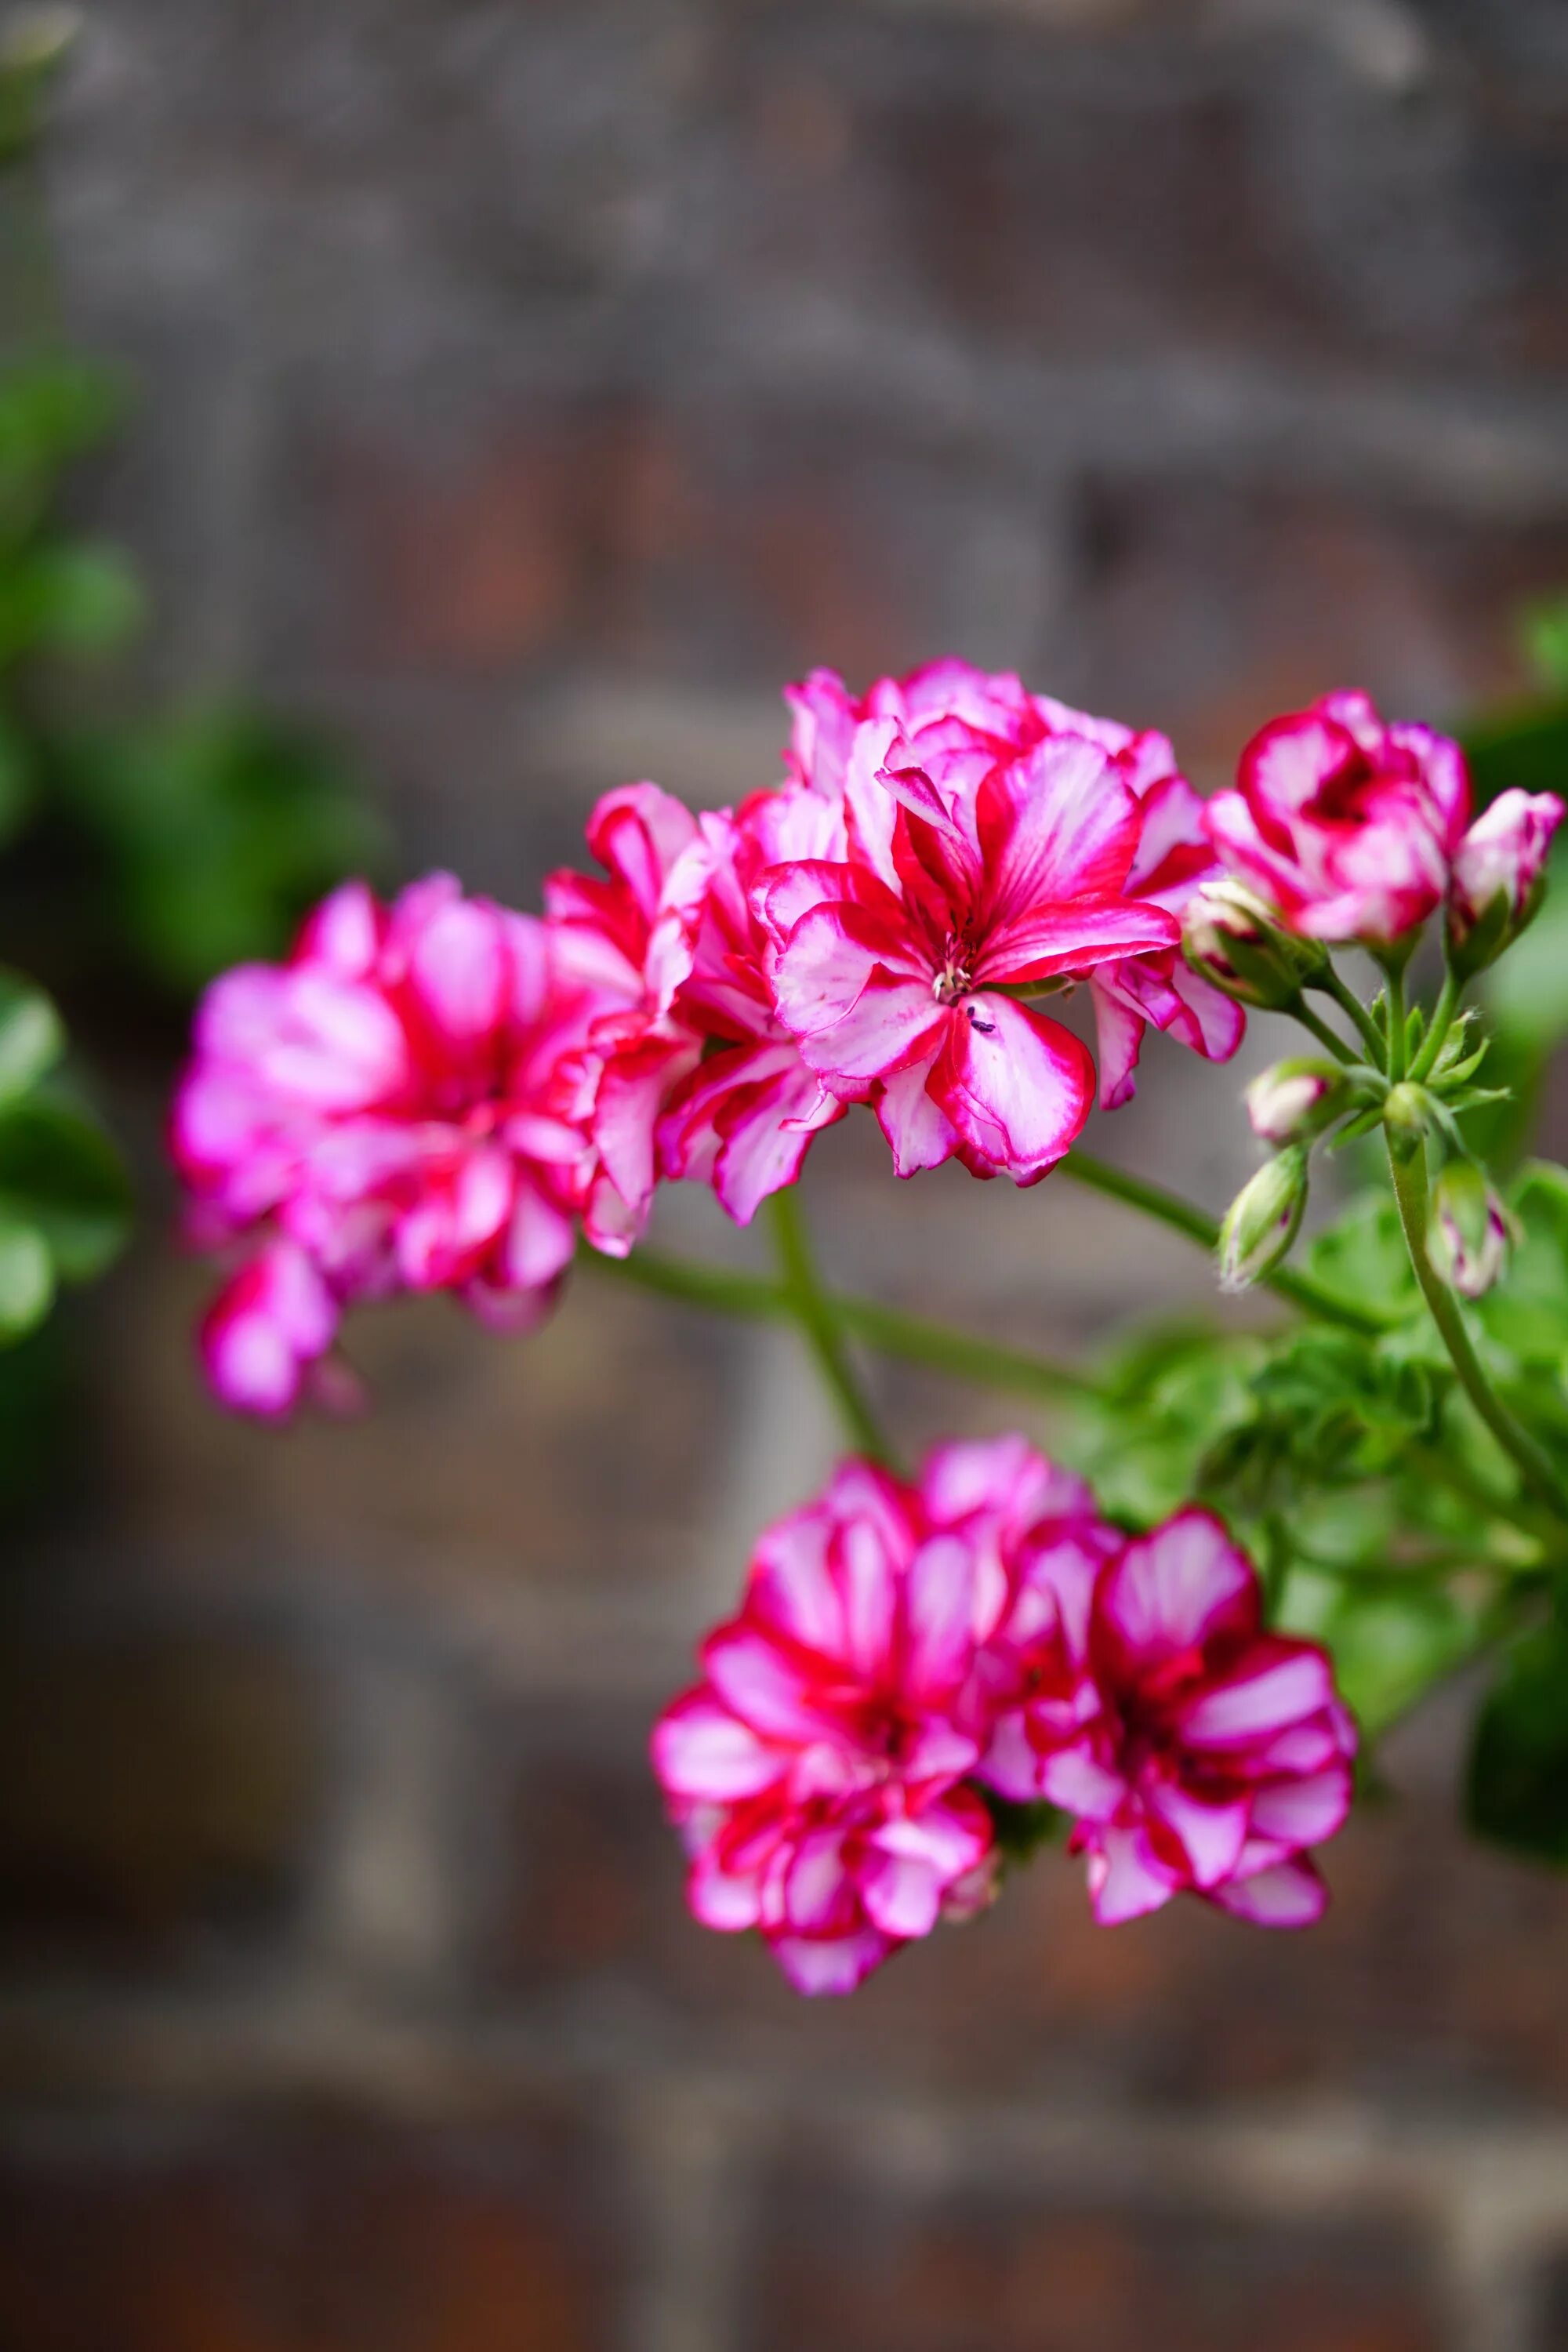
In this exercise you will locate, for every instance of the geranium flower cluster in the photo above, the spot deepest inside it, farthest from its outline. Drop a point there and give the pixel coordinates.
(904, 1653)
(439, 1094)
(1351, 827)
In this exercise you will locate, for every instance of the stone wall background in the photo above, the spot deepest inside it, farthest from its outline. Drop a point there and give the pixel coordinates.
(530, 386)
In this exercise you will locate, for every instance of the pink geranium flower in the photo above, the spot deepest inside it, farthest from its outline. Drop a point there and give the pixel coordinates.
(392, 1109)
(744, 1118)
(1500, 866)
(631, 938)
(986, 853)
(817, 1770)
(1196, 1751)
(1344, 823)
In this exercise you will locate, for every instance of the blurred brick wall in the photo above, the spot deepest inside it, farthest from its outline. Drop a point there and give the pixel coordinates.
(531, 388)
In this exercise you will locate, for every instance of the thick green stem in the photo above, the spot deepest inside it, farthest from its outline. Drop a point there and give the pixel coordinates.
(809, 1305)
(1409, 1177)
(1170, 1208)
(917, 1339)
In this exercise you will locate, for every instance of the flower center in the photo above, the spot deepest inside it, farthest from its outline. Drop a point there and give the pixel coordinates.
(955, 978)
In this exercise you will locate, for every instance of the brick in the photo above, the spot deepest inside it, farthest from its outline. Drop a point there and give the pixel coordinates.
(582, 1456)
(849, 2268)
(157, 1793)
(299, 2238)
(1432, 1981)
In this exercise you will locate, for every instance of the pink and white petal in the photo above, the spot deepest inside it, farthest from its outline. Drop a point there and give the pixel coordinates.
(938, 1595)
(459, 974)
(1057, 824)
(702, 1751)
(831, 956)
(920, 1133)
(1276, 1683)
(1288, 1895)
(1303, 1812)
(1125, 1881)
(1073, 1777)
(895, 1023)
(637, 832)
(1017, 1086)
(819, 1896)
(818, 1966)
(793, 1585)
(1212, 1836)
(726, 1901)
(1119, 1034)
(1010, 1764)
(901, 1896)
(540, 1240)
(1220, 1023)
(756, 1681)
(1074, 937)
(866, 1574)
(344, 932)
(1175, 1587)
(767, 1130)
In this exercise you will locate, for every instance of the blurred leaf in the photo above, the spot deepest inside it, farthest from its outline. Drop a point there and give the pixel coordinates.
(27, 1278)
(52, 409)
(31, 1037)
(1544, 629)
(33, 47)
(1391, 1639)
(72, 598)
(1363, 1255)
(220, 828)
(1517, 1793)
(1172, 1396)
(1526, 746)
(61, 1174)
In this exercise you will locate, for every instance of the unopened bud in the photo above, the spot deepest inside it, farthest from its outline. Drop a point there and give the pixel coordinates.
(1261, 1222)
(1406, 1112)
(1468, 1229)
(1233, 939)
(1294, 1100)
(1500, 875)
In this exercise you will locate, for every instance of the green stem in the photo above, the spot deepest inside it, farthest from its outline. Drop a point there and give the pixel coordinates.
(1443, 1013)
(1302, 1012)
(1409, 1176)
(1349, 1002)
(1394, 1004)
(1170, 1208)
(813, 1313)
(917, 1339)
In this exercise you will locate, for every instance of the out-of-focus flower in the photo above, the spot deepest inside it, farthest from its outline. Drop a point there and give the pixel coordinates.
(817, 1770)
(393, 1108)
(1261, 1222)
(1499, 874)
(1198, 1752)
(743, 1120)
(631, 939)
(987, 855)
(1469, 1231)
(1344, 823)
(1294, 1099)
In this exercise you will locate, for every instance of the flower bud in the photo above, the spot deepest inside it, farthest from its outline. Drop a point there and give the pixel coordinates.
(1261, 1222)
(1232, 937)
(1406, 1114)
(1294, 1100)
(1468, 1229)
(1500, 875)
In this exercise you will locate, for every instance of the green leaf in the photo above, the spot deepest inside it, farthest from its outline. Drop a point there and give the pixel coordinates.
(1391, 1637)
(1363, 1255)
(1517, 1792)
(31, 1036)
(1527, 1313)
(27, 1278)
(73, 598)
(60, 1173)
